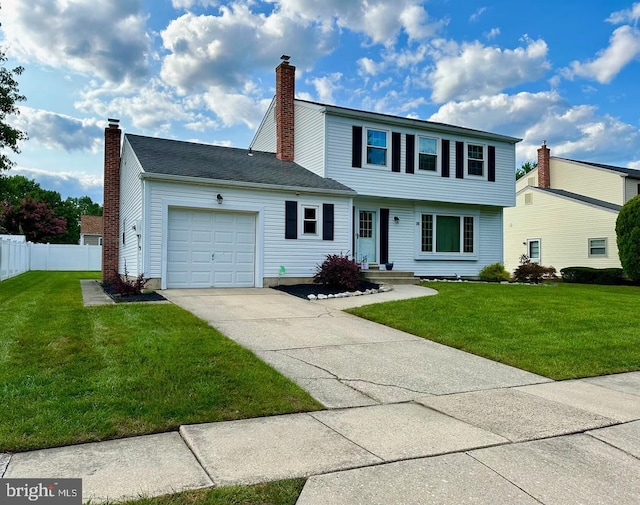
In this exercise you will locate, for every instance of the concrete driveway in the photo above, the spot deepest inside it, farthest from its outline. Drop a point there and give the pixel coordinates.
(340, 359)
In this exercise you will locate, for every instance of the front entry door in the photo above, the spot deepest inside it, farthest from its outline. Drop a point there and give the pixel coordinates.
(366, 238)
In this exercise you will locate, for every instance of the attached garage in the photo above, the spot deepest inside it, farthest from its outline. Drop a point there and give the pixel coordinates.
(210, 249)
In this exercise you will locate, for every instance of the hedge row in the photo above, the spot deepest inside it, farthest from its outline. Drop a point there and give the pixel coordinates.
(587, 275)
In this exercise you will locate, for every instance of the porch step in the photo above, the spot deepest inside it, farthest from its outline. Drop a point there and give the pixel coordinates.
(389, 277)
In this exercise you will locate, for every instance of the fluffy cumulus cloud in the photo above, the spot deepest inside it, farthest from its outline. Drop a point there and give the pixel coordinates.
(59, 131)
(631, 15)
(475, 70)
(570, 130)
(326, 86)
(104, 39)
(72, 184)
(188, 4)
(236, 108)
(624, 47)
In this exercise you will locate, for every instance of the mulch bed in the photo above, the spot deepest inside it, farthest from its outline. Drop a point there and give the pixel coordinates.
(303, 290)
(152, 296)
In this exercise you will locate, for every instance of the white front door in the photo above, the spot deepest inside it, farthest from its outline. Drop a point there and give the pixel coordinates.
(366, 236)
(210, 249)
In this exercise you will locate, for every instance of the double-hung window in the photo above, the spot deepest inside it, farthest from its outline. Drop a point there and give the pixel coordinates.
(597, 247)
(376, 147)
(533, 249)
(447, 234)
(475, 160)
(427, 154)
(309, 220)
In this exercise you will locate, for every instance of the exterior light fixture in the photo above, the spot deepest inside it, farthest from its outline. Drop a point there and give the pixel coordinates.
(219, 198)
(396, 219)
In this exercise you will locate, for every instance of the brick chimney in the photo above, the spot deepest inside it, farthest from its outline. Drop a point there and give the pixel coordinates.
(544, 177)
(111, 201)
(285, 92)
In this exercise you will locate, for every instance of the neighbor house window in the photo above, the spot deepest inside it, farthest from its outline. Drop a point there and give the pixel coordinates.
(447, 234)
(475, 159)
(309, 220)
(597, 247)
(533, 249)
(376, 147)
(427, 154)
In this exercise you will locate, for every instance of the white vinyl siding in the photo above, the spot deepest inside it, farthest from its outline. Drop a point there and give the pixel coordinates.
(632, 187)
(131, 191)
(418, 186)
(265, 137)
(309, 139)
(587, 180)
(299, 257)
(565, 244)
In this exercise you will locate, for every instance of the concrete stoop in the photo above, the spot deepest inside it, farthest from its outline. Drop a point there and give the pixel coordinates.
(389, 276)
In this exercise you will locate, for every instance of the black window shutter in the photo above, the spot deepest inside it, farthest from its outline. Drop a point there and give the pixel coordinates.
(395, 152)
(384, 236)
(327, 221)
(460, 160)
(290, 219)
(411, 154)
(356, 146)
(446, 158)
(491, 173)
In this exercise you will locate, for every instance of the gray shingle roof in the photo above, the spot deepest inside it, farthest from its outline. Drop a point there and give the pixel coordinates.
(190, 159)
(582, 198)
(629, 171)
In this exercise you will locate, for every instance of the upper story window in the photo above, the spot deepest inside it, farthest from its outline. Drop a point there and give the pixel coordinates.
(376, 147)
(475, 160)
(427, 154)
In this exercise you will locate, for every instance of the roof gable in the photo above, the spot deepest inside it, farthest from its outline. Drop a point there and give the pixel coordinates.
(575, 197)
(621, 170)
(192, 160)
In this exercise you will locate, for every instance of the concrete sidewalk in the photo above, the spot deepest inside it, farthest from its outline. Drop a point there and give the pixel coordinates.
(409, 421)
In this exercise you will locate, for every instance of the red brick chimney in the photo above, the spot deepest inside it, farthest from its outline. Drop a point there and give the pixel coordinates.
(285, 92)
(111, 203)
(544, 177)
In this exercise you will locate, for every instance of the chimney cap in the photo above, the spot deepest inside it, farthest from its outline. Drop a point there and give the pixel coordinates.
(285, 57)
(113, 123)
(544, 143)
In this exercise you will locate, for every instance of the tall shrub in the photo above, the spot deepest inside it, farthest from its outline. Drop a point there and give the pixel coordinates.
(628, 237)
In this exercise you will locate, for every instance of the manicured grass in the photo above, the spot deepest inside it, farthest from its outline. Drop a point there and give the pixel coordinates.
(71, 374)
(283, 492)
(561, 331)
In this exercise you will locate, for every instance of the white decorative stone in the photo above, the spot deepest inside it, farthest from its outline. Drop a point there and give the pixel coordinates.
(331, 295)
(312, 297)
(322, 297)
(357, 293)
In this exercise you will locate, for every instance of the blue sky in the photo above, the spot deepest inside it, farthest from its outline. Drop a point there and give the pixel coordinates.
(203, 70)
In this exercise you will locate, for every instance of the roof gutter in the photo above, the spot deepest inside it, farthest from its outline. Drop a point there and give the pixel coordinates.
(200, 181)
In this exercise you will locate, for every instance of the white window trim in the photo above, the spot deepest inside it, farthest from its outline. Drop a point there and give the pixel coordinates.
(438, 156)
(433, 255)
(485, 161)
(387, 165)
(606, 248)
(538, 259)
(309, 236)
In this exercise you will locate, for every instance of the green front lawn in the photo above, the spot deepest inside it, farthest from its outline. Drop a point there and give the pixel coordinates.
(71, 374)
(561, 331)
(284, 492)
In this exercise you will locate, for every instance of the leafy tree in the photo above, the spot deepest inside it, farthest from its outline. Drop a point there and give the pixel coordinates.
(33, 219)
(526, 167)
(9, 98)
(628, 237)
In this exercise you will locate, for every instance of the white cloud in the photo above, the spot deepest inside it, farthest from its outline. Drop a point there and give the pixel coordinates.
(624, 46)
(325, 86)
(104, 39)
(576, 131)
(59, 131)
(235, 108)
(625, 16)
(492, 34)
(68, 184)
(476, 15)
(476, 70)
(635, 164)
(188, 4)
(366, 66)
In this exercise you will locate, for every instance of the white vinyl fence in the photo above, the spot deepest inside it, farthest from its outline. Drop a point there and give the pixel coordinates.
(20, 257)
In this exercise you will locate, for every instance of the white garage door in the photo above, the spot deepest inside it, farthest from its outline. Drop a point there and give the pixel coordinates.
(210, 249)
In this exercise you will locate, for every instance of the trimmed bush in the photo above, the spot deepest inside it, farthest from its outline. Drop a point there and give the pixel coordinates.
(494, 273)
(338, 271)
(529, 271)
(628, 237)
(587, 275)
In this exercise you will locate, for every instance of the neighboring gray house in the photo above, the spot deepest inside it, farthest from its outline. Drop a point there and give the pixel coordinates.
(317, 179)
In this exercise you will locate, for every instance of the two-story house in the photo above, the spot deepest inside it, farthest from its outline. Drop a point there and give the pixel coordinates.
(317, 179)
(565, 213)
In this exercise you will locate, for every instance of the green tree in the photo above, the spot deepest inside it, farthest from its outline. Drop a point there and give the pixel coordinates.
(9, 98)
(628, 237)
(526, 167)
